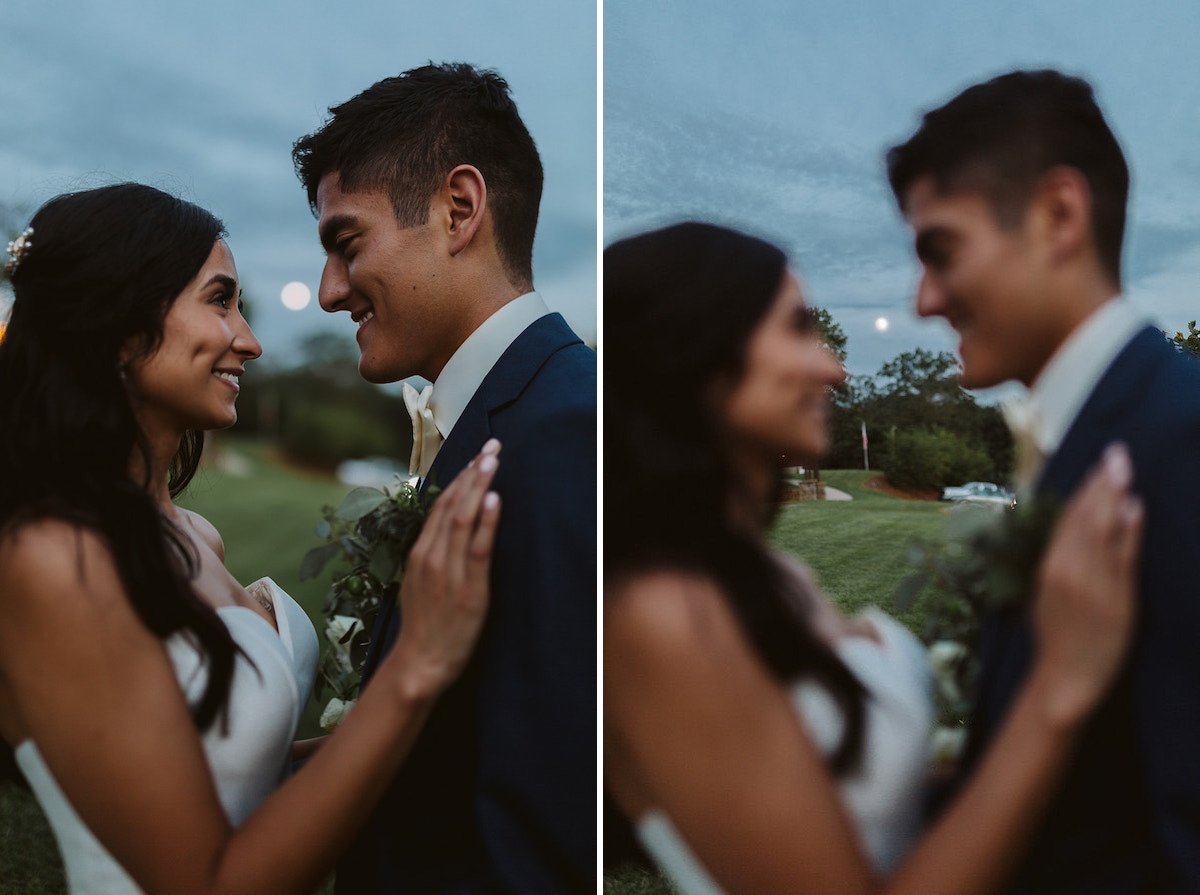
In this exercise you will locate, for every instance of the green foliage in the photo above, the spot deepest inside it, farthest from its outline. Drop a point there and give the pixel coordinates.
(916, 390)
(373, 531)
(988, 561)
(1189, 344)
(324, 434)
(832, 335)
(321, 411)
(934, 458)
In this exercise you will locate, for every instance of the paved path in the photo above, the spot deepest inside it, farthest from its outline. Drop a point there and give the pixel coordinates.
(835, 494)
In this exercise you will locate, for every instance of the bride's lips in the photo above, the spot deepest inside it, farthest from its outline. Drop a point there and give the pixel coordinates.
(229, 377)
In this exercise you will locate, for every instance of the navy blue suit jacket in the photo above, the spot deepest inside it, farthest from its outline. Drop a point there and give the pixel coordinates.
(1126, 817)
(499, 793)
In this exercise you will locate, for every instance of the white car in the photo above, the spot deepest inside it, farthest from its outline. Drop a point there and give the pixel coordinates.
(978, 492)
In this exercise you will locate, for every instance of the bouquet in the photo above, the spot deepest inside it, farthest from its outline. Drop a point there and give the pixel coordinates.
(372, 531)
(987, 564)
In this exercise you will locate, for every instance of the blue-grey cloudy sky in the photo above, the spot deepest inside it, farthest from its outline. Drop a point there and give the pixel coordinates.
(773, 115)
(205, 100)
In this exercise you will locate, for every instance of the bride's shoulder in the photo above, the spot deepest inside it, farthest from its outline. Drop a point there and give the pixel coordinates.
(48, 560)
(667, 610)
(205, 530)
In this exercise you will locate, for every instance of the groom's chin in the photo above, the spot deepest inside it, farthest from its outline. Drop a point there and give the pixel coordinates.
(380, 374)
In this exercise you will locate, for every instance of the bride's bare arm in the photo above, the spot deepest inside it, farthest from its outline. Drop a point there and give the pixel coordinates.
(97, 692)
(695, 727)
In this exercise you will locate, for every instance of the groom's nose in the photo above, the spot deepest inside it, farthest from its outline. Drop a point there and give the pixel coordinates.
(335, 284)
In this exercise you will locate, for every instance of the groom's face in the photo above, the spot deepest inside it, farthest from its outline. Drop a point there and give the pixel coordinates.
(386, 277)
(986, 280)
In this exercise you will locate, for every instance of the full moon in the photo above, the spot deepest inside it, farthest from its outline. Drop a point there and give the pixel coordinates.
(881, 324)
(295, 296)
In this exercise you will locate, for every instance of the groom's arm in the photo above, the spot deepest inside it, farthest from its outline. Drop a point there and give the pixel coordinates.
(1166, 670)
(537, 785)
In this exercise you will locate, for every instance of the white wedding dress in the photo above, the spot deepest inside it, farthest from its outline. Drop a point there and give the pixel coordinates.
(248, 760)
(883, 797)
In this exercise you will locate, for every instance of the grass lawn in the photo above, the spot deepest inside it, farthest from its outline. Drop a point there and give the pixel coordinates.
(266, 517)
(856, 549)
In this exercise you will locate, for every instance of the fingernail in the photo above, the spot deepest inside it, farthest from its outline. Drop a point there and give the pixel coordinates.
(1117, 464)
(491, 500)
(491, 446)
(488, 463)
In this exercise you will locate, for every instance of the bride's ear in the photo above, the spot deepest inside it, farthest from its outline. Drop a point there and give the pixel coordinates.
(134, 349)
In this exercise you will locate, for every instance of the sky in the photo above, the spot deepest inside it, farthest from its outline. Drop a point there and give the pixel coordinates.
(772, 116)
(205, 100)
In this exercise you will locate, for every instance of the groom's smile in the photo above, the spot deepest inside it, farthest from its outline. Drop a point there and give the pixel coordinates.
(387, 277)
(986, 280)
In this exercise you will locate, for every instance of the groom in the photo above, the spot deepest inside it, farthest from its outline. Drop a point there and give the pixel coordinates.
(426, 188)
(1015, 191)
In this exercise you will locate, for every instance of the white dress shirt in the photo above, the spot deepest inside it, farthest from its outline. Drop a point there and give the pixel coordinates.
(475, 357)
(1050, 406)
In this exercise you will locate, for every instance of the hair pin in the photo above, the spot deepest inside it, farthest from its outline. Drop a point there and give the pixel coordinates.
(17, 250)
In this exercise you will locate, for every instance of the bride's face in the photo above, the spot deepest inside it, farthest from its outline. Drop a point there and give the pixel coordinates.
(191, 380)
(780, 405)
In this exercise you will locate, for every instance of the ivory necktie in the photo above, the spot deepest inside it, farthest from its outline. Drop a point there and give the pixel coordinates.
(1025, 423)
(426, 437)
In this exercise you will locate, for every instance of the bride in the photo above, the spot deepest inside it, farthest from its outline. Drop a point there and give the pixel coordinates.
(150, 699)
(756, 740)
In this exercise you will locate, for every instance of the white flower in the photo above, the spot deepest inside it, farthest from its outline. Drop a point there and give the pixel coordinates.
(335, 713)
(945, 658)
(946, 744)
(335, 631)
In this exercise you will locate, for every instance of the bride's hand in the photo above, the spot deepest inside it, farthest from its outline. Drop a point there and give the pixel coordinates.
(444, 594)
(1087, 588)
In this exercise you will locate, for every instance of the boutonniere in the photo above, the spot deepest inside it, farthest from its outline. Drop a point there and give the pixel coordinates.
(372, 531)
(987, 563)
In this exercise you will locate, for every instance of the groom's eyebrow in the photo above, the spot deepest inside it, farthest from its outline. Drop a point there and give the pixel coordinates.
(931, 242)
(330, 227)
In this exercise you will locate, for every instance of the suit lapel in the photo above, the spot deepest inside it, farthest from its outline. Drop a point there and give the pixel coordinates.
(1107, 414)
(1112, 401)
(502, 385)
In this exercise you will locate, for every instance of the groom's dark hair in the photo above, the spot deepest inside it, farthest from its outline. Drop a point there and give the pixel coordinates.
(403, 135)
(998, 138)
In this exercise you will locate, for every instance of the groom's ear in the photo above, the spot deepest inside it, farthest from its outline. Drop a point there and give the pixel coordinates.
(466, 195)
(1062, 203)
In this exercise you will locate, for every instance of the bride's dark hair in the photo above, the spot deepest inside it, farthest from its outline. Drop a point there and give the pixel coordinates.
(680, 305)
(103, 268)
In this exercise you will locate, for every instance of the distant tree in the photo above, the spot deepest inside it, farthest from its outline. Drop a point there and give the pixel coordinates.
(832, 334)
(916, 390)
(320, 410)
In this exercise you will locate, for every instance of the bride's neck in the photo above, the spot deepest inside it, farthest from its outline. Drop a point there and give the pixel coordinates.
(750, 504)
(153, 472)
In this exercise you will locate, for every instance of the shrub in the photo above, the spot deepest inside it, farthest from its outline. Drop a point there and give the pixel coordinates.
(325, 434)
(935, 458)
